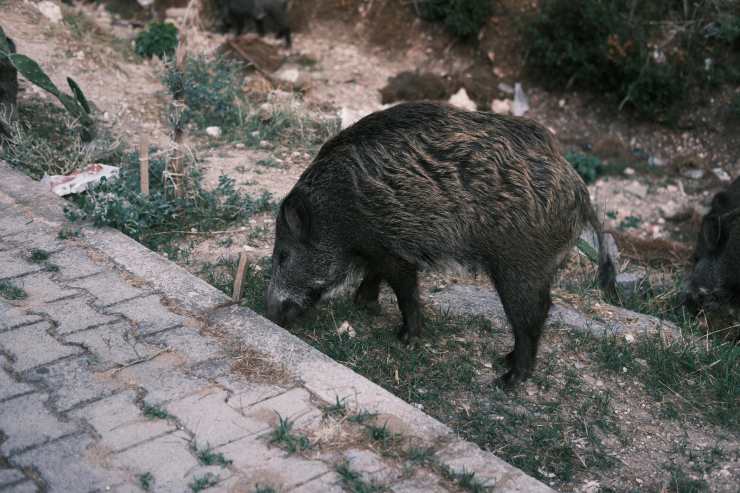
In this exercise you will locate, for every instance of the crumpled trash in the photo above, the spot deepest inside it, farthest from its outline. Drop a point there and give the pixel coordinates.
(79, 181)
(521, 102)
(346, 328)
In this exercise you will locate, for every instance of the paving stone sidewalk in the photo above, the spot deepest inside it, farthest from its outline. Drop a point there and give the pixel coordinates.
(119, 371)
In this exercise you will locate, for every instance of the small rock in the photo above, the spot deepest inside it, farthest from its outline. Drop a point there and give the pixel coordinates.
(461, 100)
(501, 106)
(214, 132)
(630, 282)
(50, 10)
(637, 189)
(521, 103)
(693, 173)
(656, 161)
(265, 111)
(265, 144)
(722, 175)
(561, 103)
(288, 74)
(504, 87)
(629, 171)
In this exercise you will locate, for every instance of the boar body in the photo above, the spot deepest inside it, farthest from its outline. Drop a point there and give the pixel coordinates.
(275, 12)
(715, 278)
(8, 82)
(422, 185)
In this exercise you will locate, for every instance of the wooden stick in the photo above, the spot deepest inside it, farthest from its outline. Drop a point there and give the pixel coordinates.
(144, 165)
(236, 294)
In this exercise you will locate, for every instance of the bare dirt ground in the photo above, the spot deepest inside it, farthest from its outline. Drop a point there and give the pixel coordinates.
(352, 53)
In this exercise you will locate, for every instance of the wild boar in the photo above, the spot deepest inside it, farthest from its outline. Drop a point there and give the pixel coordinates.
(238, 12)
(423, 185)
(8, 78)
(714, 281)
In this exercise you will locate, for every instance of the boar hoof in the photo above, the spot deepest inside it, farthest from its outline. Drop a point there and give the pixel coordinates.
(510, 380)
(370, 306)
(508, 360)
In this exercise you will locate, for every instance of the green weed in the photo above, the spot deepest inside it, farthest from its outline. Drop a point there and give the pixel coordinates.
(38, 256)
(10, 291)
(208, 457)
(146, 481)
(284, 437)
(200, 483)
(630, 222)
(154, 412)
(353, 482)
(336, 410)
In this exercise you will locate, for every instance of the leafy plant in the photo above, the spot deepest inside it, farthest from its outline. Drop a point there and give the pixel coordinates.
(10, 291)
(45, 139)
(158, 39)
(77, 105)
(589, 167)
(157, 219)
(610, 47)
(463, 18)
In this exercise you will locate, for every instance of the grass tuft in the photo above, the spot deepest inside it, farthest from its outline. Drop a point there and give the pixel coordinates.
(155, 412)
(284, 437)
(11, 292)
(200, 483)
(353, 482)
(208, 457)
(146, 481)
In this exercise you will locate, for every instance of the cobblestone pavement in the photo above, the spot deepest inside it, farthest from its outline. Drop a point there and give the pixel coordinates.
(121, 372)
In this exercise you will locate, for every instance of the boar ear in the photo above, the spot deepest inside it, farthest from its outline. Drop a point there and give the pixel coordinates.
(297, 215)
(711, 230)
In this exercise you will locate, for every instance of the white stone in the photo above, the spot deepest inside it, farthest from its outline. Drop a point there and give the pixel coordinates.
(521, 102)
(501, 106)
(214, 132)
(721, 174)
(50, 10)
(461, 100)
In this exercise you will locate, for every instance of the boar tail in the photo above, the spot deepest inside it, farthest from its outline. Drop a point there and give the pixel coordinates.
(607, 260)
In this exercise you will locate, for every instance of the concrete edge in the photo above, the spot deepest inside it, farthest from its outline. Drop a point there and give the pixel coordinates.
(319, 374)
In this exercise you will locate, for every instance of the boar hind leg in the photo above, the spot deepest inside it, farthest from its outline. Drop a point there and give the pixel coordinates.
(367, 294)
(402, 276)
(526, 306)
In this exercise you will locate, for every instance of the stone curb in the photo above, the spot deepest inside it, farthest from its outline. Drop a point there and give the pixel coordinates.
(317, 372)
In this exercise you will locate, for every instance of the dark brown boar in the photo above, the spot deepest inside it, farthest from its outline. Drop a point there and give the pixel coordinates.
(8, 79)
(714, 282)
(236, 13)
(419, 186)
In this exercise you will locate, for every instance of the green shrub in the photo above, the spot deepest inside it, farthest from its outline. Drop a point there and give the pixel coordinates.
(589, 167)
(463, 18)
(162, 216)
(610, 47)
(212, 92)
(159, 39)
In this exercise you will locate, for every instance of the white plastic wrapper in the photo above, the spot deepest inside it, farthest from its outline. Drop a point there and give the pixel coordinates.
(79, 181)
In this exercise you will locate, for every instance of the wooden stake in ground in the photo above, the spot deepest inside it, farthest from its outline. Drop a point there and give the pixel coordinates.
(177, 169)
(144, 165)
(236, 294)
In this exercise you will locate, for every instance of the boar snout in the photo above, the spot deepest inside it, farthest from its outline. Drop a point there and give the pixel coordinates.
(282, 311)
